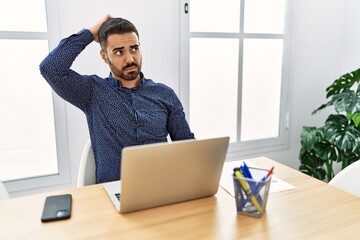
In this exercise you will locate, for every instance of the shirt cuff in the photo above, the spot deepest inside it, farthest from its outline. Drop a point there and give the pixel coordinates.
(86, 34)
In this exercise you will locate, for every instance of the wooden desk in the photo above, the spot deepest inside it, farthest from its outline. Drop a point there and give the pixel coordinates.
(314, 210)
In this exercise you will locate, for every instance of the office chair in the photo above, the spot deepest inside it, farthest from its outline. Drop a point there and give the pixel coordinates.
(86, 175)
(348, 179)
(3, 192)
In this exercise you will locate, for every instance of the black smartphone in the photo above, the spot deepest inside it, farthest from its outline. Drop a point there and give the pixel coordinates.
(57, 207)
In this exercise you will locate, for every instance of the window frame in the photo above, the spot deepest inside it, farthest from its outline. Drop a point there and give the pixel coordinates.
(63, 176)
(240, 148)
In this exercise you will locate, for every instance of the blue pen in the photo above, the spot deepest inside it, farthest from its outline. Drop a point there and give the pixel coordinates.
(246, 172)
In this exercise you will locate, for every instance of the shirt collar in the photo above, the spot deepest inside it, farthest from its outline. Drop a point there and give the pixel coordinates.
(117, 84)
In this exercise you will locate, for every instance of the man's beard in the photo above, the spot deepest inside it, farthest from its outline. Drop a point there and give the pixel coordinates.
(121, 72)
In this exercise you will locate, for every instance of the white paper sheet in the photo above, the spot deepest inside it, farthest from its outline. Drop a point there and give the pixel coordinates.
(226, 181)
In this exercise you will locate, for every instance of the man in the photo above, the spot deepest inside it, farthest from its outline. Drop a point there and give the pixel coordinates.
(123, 109)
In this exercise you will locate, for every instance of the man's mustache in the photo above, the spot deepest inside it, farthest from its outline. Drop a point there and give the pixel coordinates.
(130, 65)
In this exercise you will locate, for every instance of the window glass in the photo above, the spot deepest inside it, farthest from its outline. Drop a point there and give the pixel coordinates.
(214, 16)
(213, 87)
(23, 15)
(27, 139)
(261, 88)
(233, 75)
(264, 16)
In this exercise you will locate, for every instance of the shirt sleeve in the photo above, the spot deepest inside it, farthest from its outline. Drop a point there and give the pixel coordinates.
(178, 126)
(55, 68)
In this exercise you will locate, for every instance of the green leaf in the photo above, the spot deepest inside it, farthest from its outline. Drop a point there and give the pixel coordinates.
(346, 102)
(349, 116)
(346, 81)
(312, 165)
(356, 119)
(322, 107)
(347, 157)
(310, 136)
(341, 133)
(326, 151)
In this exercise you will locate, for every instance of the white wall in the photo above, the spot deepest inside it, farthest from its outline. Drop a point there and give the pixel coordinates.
(351, 43)
(325, 45)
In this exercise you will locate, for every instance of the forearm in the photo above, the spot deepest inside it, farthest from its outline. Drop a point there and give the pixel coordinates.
(55, 68)
(57, 64)
(178, 126)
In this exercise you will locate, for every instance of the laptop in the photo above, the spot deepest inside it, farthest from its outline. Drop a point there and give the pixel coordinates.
(159, 174)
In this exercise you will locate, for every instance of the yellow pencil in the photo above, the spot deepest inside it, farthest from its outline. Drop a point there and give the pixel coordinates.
(247, 190)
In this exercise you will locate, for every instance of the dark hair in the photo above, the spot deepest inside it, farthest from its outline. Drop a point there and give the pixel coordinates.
(115, 26)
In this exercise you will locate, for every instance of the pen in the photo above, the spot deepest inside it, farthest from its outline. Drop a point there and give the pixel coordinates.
(270, 172)
(258, 186)
(253, 186)
(246, 171)
(247, 190)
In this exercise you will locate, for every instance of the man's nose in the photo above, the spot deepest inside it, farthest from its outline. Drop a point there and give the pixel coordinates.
(129, 58)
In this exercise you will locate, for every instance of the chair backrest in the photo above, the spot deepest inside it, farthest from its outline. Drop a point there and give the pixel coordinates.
(348, 179)
(86, 175)
(3, 192)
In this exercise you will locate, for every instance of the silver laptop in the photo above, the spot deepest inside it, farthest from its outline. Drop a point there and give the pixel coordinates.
(160, 174)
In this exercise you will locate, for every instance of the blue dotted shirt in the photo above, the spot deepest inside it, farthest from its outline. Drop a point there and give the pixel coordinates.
(116, 116)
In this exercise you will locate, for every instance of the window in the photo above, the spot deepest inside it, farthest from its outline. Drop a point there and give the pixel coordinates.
(234, 64)
(31, 154)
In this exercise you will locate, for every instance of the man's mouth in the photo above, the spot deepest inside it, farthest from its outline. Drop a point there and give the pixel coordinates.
(130, 67)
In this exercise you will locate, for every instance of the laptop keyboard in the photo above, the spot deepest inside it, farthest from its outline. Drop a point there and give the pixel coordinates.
(117, 195)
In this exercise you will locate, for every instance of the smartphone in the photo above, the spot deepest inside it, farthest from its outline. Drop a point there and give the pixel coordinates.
(57, 207)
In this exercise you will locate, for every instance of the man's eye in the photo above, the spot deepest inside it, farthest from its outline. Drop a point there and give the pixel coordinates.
(135, 49)
(118, 53)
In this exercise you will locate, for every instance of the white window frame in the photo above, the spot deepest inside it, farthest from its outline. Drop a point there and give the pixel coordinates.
(240, 148)
(63, 176)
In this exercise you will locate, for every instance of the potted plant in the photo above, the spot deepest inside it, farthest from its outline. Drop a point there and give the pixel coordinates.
(339, 139)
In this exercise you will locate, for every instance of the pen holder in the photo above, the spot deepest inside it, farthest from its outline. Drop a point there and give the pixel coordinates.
(251, 194)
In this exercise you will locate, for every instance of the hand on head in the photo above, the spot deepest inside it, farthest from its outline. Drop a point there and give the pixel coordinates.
(95, 28)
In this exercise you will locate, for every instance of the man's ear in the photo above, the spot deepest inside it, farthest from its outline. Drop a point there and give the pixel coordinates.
(104, 56)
